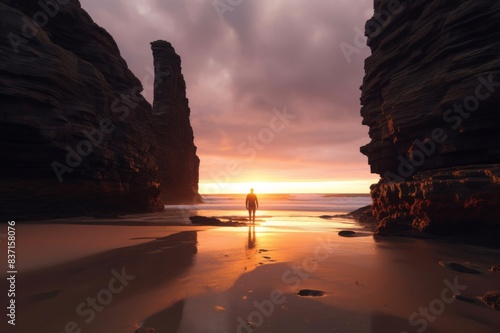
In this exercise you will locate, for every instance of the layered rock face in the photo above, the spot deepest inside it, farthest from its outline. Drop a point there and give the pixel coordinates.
(177, 158)
(76, 135)
(430, 98)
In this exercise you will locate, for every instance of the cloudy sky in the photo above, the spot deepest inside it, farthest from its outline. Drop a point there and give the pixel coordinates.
(273, 97)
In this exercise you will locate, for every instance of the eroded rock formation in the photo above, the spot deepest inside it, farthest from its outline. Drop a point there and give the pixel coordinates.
(430, 97)
(176, 151)
(76, 135)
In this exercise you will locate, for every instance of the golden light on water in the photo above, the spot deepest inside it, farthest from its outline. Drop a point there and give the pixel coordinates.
(347, 186)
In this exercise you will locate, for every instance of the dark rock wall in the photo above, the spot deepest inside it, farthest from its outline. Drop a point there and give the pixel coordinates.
(76, 135)
(176, 150)
(430, 97)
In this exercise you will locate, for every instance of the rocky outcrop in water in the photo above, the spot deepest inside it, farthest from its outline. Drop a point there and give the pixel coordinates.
(76, 135)
(177, 158)
(430, 98)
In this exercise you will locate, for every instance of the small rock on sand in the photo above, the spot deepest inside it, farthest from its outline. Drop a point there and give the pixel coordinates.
(347, 233)
(467, 299)
(492, 298)
(203, 220)
(311, 293)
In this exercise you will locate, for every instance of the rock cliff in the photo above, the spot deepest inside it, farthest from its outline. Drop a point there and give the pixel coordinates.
(76, 135)
(177, 156)
(430, 98)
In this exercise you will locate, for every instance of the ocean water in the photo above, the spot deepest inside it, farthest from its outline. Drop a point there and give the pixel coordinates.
(277, 213)
(273, 208)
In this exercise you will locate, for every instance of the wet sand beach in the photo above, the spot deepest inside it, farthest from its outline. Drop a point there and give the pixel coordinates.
(242, 166)
(244, 279)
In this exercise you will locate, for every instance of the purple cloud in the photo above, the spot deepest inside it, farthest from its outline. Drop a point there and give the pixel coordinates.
(259, 56)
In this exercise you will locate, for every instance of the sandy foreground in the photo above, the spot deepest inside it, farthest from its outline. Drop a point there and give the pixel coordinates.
(125, 279)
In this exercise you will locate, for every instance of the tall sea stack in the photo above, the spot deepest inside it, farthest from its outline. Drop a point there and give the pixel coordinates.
(73, 123)
(430, 97)
(77, 136)
(178, 163)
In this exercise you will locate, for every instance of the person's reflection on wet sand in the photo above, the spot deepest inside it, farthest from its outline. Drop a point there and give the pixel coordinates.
(252, 240)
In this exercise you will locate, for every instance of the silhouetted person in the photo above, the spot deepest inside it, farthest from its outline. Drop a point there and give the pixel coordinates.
(252, 205)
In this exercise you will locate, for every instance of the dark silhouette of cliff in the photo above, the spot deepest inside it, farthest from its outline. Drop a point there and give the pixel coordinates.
(76, 134)
(176, 150)
(430, 98)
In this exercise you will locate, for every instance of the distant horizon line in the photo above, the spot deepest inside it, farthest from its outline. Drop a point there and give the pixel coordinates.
(281, 193)
(361, 186)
